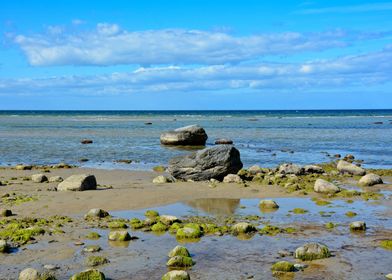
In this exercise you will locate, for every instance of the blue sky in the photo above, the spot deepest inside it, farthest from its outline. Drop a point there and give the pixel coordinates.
(195, 54)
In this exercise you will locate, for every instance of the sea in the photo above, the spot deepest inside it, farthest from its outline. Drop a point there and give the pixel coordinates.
(266, 138)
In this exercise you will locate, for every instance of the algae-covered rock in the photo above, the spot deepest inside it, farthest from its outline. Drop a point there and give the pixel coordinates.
(242, 228)
(93, 235)
(370, 180)
(96, 260)
(159, 168)
(119, 235)
(323, 186)
(92, 248)
(90, 274)
(180, 261)
(81, 182)
(386, 244)
(283, 266)
(312, 251)
(189, 231)
(179, 251)
(290, 168)
(96, 213)
(268, 204)
(29, 274)
(159, 227)
(358, 226)
(117, 224)
(176, 275)
(347, 167)
(39, 178)
(151, 213)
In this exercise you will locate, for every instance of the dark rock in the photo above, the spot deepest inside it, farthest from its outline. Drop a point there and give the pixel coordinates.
(86, 141)
(223, 141)
(214, 162)
(192, 135)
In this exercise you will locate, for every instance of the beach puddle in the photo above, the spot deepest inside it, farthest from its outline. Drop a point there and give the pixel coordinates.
(354, 255)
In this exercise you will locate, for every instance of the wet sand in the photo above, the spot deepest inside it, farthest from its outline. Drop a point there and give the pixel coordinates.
(355, 256)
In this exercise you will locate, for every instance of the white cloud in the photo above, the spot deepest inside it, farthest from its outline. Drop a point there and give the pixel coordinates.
(351, 71)
(108, 44)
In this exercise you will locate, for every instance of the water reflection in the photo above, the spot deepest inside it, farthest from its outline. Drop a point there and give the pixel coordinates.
(215, 206)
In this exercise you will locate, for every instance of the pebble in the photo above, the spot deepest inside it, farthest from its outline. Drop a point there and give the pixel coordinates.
(300, 266)
(51, 266)
(78, 243)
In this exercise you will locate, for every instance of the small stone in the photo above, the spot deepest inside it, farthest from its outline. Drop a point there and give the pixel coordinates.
(168, 220)
(283, 266)
(5, 213)
(223, 141)
(323, 186)
(29, 274)
(56, 179)
(78, 243)
(23, 167)
(4, 247)
(268, 204)
(86, 141)
(176, 275)
(232, 178)
(347, 167)
(180, 261)
(242, 228)
(96, 213)
(90, 274)
(284, 253)
(51, 266)
(92, 248)
(300, 266)
(96, 261)
(119, 235)
(39, 178)
(179, 251)
(162, 180)
(312, 251)
(370, 180)
(358, 226)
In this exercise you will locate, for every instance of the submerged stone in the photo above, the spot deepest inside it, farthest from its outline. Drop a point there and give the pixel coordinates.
(268, 204)
(96, 260)
(242, 228)
(119, 235)
(312, 251)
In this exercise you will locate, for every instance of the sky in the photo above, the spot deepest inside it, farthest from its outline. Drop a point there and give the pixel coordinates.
(195, 55)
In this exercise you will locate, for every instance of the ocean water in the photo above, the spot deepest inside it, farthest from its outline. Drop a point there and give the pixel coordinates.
(267, 138)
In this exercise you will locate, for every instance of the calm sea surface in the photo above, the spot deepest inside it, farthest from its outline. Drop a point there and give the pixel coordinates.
(266, 138)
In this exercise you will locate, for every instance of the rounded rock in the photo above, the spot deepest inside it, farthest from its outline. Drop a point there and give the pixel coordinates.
(323, 186)
(347, 167)
(29, 274)
(176, 275)
(370, 180)
(232, 178)
(358, 226)
(39, 178)
(312, 251)
(268, 204)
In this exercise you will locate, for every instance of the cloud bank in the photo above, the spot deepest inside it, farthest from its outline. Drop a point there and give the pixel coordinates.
(349, 71)
(108, 45)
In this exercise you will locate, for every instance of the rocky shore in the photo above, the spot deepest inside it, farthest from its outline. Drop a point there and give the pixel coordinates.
(57, 222)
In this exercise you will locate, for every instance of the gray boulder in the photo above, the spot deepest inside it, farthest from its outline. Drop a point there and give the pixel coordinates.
(347, 167)
(290, 168)
(54, 179)
(29, 274)
(323, 186)
(370, 180)
(79, 182)
(192, 135)
(214, 162)
(312, 251)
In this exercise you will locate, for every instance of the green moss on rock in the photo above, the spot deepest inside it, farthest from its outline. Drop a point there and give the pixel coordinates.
(90, 274)
(386, 244)
(96, 260)
(159, 227)
(283, 266)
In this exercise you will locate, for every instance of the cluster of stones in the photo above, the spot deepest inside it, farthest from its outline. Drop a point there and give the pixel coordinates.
(179, 258)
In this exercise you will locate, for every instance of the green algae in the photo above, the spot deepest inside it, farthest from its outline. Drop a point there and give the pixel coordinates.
(151, 213)
(350, 214)
(330, 225)
(159, 227)
(180, 261)
(117, 224)
(299, 211)
(386, 244)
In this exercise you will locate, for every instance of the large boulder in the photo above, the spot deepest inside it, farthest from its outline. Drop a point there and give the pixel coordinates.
(347, 167)
(79, 182)
(323, 186)
(211, 163)
(370, 180)
(192, 135)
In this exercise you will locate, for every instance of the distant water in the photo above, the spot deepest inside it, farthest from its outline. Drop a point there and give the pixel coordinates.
(266, 138)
